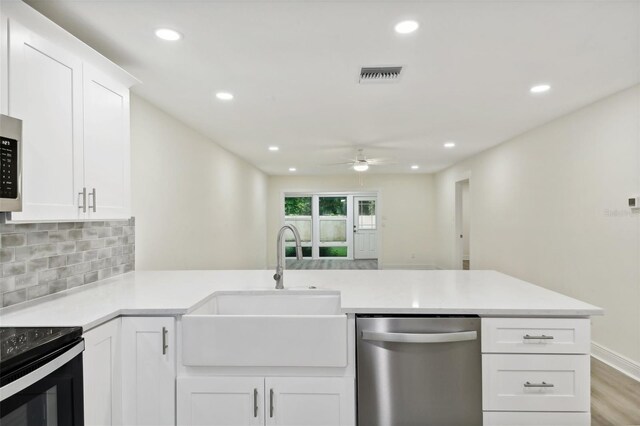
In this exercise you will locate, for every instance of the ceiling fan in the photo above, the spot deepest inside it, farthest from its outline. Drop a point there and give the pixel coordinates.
(361, 163)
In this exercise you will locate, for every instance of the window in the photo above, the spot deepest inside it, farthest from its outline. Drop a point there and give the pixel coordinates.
(366, 214)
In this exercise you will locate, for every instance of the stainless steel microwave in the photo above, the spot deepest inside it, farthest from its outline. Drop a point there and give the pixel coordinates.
(10, 164)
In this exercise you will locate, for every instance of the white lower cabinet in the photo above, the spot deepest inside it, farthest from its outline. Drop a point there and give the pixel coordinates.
(535, 382)
(102, 375)
(221, 401)
(536, 371)
(292, 401)
(148, 371)
(302, 401)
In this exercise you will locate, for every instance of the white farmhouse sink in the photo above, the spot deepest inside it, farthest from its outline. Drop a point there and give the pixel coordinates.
(276, 302)
(285, 328)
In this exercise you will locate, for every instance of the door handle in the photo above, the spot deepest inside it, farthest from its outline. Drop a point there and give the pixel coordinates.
(255, 402)
(83, 196)
(93, 195)
(165, 344)
(459, 336)
(271, 403)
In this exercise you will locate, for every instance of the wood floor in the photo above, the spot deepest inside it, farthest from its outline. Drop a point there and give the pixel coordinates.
(332, 264)
(615, 397)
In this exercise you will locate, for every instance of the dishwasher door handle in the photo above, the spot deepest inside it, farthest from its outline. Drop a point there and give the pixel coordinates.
(380, 336)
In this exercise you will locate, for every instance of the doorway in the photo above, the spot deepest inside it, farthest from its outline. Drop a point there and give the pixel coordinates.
(365, 228)
(462, 244)
(338, 230)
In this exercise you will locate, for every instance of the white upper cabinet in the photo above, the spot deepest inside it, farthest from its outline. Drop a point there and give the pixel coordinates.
(106, 146)
(74, 105)
(45, 92)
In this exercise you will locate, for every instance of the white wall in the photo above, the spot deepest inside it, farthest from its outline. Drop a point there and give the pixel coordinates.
(550, 207)
(405, 203)
(197, 206)
(466, 215)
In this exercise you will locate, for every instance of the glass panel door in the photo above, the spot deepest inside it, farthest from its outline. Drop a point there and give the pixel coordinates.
(298, 212)
(324, 222)
(365, 228)
(332, 224)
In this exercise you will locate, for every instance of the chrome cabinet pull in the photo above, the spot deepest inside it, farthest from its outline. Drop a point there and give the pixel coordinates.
(255, 402)
(538, 385)
(83, 195)
(270, 402)
(165, 344)
(93, 195)
(540, 337)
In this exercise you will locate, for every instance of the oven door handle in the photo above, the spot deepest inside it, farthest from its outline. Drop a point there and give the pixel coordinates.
(459, 336)
(25, 381)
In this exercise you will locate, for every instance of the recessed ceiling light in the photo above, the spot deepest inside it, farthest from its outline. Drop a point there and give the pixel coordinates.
(449, 144)
(292, 169)
(168, 34)
(224, 96)
(273, 148)
(406, 27)
(415, 167)
(540, 88)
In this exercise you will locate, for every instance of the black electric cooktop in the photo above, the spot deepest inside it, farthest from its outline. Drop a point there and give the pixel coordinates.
(20, 346)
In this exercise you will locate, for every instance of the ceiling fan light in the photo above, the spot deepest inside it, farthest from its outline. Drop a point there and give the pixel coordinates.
(361, 167)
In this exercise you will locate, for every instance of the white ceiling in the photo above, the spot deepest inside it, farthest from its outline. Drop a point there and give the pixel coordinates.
(293, 68)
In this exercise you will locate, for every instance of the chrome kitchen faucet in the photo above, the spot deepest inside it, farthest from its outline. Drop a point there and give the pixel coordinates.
(280, 266)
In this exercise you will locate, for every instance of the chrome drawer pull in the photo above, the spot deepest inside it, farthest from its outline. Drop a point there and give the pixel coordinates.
(540, 337)
(538, 385)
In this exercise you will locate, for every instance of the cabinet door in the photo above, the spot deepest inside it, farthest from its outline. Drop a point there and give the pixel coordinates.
(148, 367)
(45, 92)
(106, 146)
(221, 401)
(102, 375)
(312, 401)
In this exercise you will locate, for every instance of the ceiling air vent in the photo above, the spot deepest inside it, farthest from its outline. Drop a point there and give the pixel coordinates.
(379, 74)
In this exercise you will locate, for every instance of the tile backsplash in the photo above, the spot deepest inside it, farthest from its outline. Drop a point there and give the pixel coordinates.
(37, 259)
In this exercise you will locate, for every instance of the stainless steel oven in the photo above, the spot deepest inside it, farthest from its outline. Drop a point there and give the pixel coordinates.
(10, 164)
(41, 377)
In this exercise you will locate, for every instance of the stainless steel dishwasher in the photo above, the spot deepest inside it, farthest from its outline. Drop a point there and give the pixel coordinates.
(419, 371)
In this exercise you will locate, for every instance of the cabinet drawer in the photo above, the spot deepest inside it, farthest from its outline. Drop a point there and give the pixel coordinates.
(535, 382)
(536, 335)
(505, 418)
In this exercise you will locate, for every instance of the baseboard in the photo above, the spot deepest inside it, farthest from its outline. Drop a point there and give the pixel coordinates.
(615, 360)
(416, 267)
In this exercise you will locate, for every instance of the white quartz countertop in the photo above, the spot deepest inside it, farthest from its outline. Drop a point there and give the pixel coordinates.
(484, 293)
